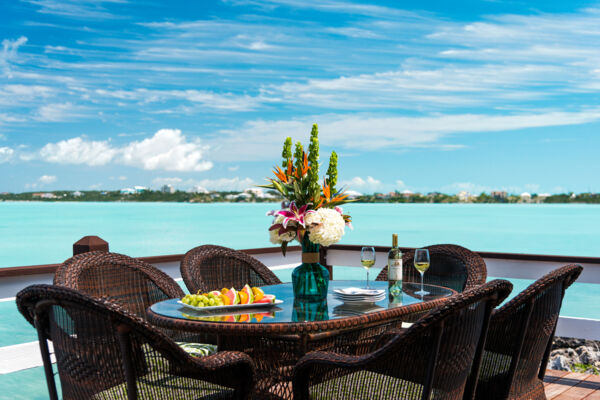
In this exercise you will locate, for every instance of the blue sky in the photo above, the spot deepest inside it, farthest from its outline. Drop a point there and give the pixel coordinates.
(467, 95)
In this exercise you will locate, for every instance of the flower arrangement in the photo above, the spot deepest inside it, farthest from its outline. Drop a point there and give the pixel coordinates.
(310, 207)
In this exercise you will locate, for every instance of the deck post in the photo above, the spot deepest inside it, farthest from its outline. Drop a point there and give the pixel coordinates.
(89, 243)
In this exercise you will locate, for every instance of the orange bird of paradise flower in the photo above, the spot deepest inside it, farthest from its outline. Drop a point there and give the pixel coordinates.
(305, 167)
(281, 175)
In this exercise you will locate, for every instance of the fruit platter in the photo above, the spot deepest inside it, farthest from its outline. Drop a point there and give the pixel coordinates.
(230, 317)
(225, 299)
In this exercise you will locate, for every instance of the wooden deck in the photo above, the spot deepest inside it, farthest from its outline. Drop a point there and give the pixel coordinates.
(565, 385)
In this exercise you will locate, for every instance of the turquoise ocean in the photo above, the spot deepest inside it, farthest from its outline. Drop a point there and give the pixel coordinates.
(34, 233)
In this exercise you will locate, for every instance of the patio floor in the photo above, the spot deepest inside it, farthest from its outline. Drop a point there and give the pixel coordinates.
(563, 385)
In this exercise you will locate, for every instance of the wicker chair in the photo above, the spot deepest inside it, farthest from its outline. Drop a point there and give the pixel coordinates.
(452, 266)
(431, 359)
(212, 267)
(520, 339)
(128, 282)
(104, 352)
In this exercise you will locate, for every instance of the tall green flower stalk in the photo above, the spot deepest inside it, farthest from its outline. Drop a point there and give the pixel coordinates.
(298, 156)
(287, 152)
(332, 172)
(314, 189)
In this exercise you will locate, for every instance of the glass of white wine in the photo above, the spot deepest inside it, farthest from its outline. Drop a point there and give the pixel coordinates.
(367, 259)
(421, 263)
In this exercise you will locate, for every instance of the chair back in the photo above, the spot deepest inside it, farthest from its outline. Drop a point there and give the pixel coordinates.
(104, 352)
(211, 267)
(520, 338)
(451, 266)
(432, 359)
(131, 283)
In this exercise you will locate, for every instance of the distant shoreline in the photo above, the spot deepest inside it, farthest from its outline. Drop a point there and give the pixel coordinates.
(257, 196)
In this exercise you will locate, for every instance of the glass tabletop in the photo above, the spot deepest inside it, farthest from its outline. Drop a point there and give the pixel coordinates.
(294, 310)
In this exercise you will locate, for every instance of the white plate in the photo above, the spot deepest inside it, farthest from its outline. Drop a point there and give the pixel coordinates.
(372, 300)
(230, 307)
(352, 291)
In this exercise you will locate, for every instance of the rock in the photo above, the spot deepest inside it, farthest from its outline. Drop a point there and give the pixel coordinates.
(569, 351)
(588, 354)
(560, 363)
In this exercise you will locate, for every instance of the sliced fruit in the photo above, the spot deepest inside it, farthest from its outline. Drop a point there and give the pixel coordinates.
(258, 317)
(224, 290)
(268, 298)
(244, 318)
(258, 293)
(248, 290)
(230, 318)
(215, 293)
(231, 294)
(236, 297)
(243, 297)
(226, 299)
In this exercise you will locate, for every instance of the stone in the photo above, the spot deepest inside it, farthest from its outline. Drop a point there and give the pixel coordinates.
(560, 363)
(588, 354)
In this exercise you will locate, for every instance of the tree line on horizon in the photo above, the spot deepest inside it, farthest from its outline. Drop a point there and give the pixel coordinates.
(246, 197)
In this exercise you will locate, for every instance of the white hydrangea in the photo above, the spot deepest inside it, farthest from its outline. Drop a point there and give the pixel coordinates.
(274, 235)
(326, 226)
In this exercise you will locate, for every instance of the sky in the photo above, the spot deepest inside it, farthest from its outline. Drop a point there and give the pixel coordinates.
(412, 95)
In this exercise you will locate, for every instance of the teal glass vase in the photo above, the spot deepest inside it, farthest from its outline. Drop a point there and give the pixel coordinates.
(310, 279)
(305, 310)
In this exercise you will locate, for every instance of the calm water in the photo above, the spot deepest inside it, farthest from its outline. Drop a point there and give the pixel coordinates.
(43, 233)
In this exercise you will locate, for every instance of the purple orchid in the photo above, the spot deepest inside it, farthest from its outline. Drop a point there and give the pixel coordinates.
(295, 214)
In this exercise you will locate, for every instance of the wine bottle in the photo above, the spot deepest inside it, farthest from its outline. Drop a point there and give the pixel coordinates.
(395, 271)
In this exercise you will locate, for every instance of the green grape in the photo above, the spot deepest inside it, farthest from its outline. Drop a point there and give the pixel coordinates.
(211, 302)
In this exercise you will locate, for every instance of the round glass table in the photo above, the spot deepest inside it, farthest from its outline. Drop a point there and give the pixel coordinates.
(276, 337)
(292, 310)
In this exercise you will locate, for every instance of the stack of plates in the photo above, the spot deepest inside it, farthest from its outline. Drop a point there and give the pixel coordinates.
(353, 309)
(356, 295)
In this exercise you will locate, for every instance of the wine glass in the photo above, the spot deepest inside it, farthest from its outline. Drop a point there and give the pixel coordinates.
(421, 264)
(367, 259)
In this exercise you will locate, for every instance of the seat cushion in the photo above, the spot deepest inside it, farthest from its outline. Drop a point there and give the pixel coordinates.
(198, 349)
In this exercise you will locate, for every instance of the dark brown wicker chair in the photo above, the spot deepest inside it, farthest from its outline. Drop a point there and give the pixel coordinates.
(212, 267)
(431, 359)
(104, 352)
(452, 266)
(520, 339)
(128, 282)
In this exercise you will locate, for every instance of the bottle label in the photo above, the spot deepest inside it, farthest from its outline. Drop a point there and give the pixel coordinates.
(395, 270)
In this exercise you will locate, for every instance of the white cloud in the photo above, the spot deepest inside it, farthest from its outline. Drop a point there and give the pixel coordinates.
(400, 184)
(79, 9)
(46, 179)
(166, 150)
(58, 112)
(355, 32)
(219, 184)
(169, 150)
(6, 154)
(166, 181)
(224, 184)
(9, 53)
(217, 101)
(260, 140)
(233, 168)
(78, 151)
(368, 184)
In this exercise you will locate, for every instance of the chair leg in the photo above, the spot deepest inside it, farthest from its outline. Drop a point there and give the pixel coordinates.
(43, 341)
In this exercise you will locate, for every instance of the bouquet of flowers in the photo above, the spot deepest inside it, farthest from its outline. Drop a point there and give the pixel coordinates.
(310, 208)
